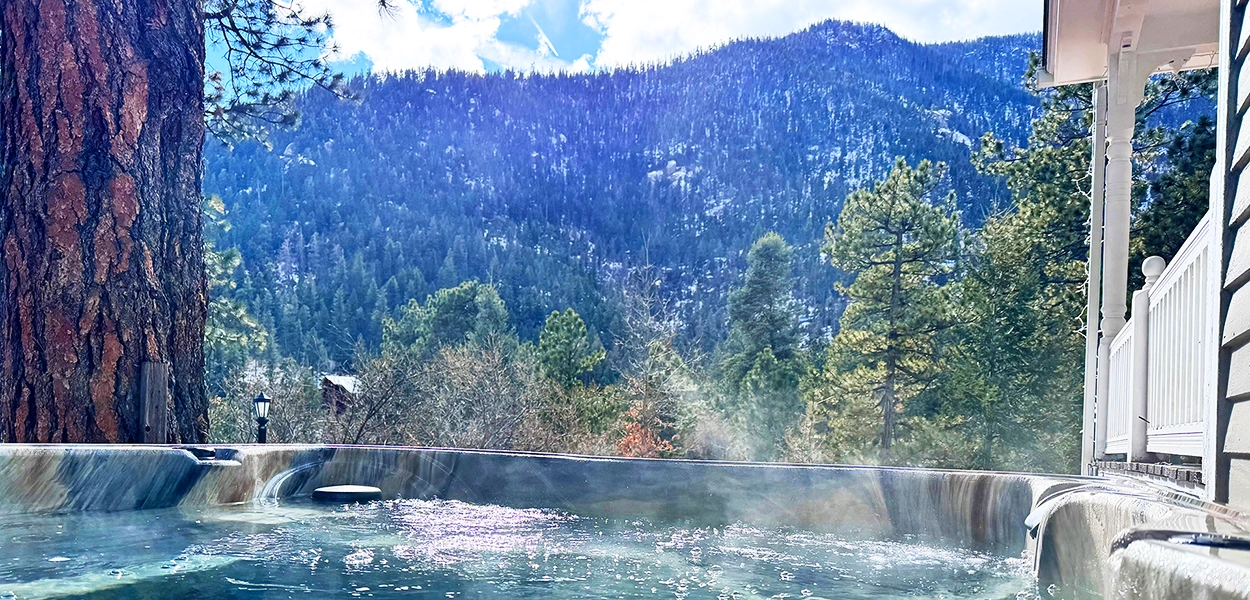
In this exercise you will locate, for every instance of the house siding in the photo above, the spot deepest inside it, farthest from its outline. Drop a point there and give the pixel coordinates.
(1230, 203)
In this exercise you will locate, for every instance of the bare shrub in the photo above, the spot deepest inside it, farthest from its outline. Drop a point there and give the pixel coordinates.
(472, 396)
(295, 414)
(564, 421)
(655, 381)
(380, 410)
(805, 443)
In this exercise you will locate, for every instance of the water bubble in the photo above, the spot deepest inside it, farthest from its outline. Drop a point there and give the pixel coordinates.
(29, 539)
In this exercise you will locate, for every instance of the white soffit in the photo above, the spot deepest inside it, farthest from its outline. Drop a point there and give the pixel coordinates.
(1080, 34)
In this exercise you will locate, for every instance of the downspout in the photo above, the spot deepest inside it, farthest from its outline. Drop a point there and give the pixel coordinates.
(1098, 168)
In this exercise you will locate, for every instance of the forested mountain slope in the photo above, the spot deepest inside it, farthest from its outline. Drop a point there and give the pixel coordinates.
(554, 186)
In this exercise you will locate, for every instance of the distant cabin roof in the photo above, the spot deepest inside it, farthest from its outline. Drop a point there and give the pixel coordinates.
(347, 382)
(1078, 36)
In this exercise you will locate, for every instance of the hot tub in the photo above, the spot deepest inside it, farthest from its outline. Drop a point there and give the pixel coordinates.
(134, 522)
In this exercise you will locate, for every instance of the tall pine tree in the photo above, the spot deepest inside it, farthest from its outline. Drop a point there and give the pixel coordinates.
(565, 351)
(899, 241)
(764, 363)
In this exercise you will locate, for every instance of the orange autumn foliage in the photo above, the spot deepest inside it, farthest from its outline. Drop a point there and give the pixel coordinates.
(642, 435)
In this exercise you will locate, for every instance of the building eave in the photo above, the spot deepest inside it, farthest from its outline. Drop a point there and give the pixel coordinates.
(1079, 36)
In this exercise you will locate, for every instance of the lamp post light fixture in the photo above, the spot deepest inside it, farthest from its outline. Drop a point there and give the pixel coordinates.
(260, 408)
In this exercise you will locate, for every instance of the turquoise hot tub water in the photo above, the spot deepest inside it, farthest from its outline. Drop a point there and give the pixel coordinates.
(158, 522)
(453, 549)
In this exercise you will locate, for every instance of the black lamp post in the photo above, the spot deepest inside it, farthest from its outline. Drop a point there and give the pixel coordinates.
(260, 408)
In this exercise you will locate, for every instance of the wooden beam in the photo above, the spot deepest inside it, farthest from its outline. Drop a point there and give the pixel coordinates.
(154, 402)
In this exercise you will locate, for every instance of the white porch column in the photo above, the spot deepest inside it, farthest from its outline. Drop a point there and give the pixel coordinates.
(1126, 88)
(1152, 268)
(1094, 285)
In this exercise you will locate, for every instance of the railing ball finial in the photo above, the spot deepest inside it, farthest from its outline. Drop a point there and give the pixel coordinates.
(1152, 268)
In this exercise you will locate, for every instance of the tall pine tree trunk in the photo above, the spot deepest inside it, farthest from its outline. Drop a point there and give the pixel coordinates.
(889, 387)
(100, 224)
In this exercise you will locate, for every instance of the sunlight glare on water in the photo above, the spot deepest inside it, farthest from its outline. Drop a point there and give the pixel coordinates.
(449, 549)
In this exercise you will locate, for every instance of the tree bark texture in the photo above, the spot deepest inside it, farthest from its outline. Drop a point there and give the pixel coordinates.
(100, 224)
(889, 389)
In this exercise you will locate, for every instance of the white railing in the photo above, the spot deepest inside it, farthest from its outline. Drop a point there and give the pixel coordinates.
(1120, 391)
(1178, 349)
(1157, 374)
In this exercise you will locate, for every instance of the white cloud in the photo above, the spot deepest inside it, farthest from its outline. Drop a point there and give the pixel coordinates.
(404, 38)
(463, 34)
(581, 65)
(650, 30)
(479, 10)
(946, 20)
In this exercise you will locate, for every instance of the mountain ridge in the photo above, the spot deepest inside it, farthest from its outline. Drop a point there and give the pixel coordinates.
(553, 186)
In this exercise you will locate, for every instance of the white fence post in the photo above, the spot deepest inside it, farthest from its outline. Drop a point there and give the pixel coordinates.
(1152, 268)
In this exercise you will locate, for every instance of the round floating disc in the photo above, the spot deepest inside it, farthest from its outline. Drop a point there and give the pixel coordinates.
(347, 493)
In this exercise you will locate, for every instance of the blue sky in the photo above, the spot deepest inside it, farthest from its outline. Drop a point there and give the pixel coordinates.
(576, 35)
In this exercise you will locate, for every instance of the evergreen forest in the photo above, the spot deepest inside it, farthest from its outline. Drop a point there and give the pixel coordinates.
(833, 246)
